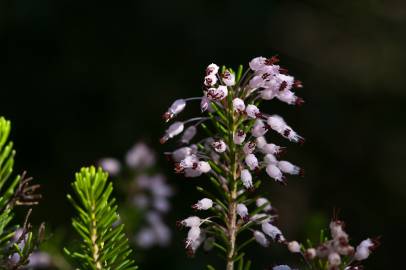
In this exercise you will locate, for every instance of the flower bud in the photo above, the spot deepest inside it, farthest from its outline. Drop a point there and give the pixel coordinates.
(277, 123)
(212, 69)
(274, 172)
(204, 104)
(228, 78)
(257, 63)
(246, 179)
(182, 153)
(203, 204)
(259, 129)
(261, 142)
(219, 146)
(203, 166)
(261, 239)
(218, 93)
(271, 148)
(294, 247)
(189, 162)
(249, 147)
(176, 107)
(173, 130)
(238, 105)
(188, 135)
(251, 161)
(192, 235)
(252, 111)
(239, 137)
(273, 232)
(242, 211)
(288, 167)
(192, 221)
(210, 80)
(270, 159)
(310, 253)
(289, 97)
(364, 249)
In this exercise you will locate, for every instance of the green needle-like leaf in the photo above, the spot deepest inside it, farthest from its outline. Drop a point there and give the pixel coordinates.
(104, 245)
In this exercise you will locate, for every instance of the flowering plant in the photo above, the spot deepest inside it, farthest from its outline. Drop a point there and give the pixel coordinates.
(232, 155)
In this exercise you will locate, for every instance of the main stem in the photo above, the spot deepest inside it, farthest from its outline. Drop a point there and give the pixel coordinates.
(93, 231)
(232, 206)
(232, 229)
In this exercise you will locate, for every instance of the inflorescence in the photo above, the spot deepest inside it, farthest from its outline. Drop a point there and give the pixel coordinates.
(235, 151)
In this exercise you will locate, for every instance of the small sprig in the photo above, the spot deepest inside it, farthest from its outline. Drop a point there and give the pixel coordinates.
(104, 245)
(234, 153)
(16, 243)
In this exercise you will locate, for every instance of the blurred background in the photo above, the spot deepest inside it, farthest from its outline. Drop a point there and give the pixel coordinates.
(82, 80)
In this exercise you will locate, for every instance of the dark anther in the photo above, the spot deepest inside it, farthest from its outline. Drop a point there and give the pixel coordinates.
(299, 101)
(167, 116)
(297, 84)
(283, 85)
(273, 60)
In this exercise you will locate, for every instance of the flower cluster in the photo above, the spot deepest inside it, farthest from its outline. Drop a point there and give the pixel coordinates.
(147, 194)
(336, 253)
(235, 151)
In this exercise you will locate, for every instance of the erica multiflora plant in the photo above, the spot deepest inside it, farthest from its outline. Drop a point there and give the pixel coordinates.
(17, 242)
(233, 153)
(103, 245)
(147, 196)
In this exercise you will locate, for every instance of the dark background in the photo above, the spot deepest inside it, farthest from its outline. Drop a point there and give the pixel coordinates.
(81, 80)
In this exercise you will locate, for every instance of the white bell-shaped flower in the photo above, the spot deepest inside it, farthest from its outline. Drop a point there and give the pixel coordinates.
(261, 238)
(219, 146)
(192, 221)
(193, 235)
(228, 78)
(212, 69)
(242, 211)
(251, 161)
(246, 179)
(252, 111)
(173, 130)
(238, 105)
(239, 137)
(274, 172)
(203, 204)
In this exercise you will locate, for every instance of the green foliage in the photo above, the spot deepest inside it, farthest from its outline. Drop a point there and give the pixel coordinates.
(104, 244)
(14, 191)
